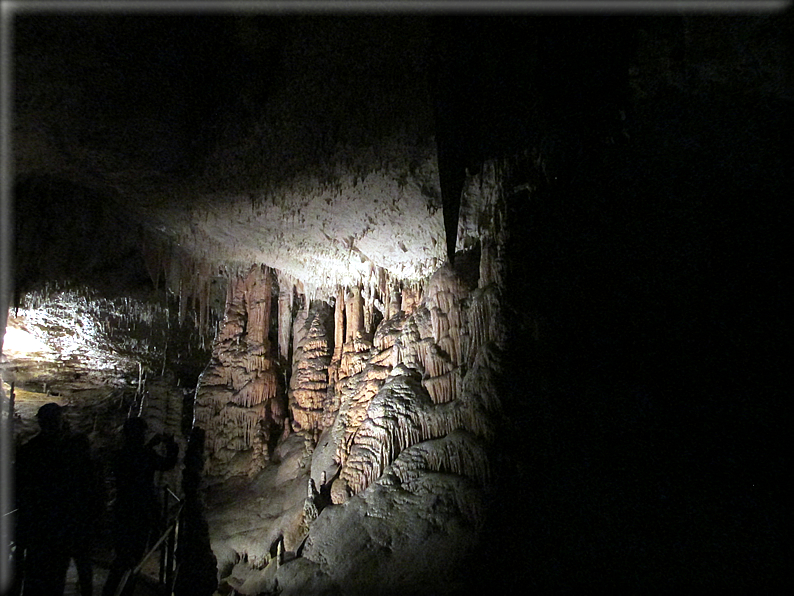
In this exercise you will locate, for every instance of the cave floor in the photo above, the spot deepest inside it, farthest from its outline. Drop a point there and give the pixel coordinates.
(144, 587)
(73, 587)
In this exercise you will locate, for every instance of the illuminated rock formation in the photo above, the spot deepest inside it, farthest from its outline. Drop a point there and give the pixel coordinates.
(393, 398)
(426, 394)
(237, 401)
(318, 171)
(313, 341)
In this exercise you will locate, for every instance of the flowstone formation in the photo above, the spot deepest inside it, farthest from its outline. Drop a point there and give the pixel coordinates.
(420, 398)
(392, 406)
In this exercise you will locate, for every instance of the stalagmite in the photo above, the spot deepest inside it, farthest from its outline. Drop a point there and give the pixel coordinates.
(237, 401)
(339, 340)
(403, 414)
(393, 300)
(311, 358)
(400, 372)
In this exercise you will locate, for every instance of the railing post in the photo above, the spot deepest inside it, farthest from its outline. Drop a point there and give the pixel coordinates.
(123, 583)
(169, 565)
(166, 540)
(164, 518)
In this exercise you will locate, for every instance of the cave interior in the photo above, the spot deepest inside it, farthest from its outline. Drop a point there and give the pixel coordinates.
(506, 288)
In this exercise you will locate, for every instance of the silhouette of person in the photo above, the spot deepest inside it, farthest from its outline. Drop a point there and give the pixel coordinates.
(136, 509)
(48, 492)
(197, 564)
(88, 504)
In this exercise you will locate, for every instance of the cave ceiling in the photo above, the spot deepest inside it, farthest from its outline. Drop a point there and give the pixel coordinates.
(305, 143)
(329, 147)
(178, 150)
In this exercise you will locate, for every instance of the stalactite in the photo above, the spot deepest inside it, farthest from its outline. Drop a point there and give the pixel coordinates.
(408, 299)
(257, 304)
(393, 299)
(438, 335)
(182, 303)
(285, 294)
(443, 388)
(262, 388)
(204, 293)
(458, 452)
(354, 310)
(153, 259)
(339, 324)
(230, 294)
(484, 322)
(369, 310)
(235, 428)
(339, 339)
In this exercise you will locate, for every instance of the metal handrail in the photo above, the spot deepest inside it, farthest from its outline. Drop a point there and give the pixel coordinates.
(173, 494)
(131, 572)
(167, 553)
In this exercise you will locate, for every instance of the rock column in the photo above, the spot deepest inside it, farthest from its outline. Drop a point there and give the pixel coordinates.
(237, 401)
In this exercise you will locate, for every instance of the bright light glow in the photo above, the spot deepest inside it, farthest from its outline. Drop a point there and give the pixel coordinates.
(62, 326)
(19, 343)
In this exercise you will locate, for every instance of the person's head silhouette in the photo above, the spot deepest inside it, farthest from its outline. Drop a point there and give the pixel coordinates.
(135, 431)
(50, 419)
